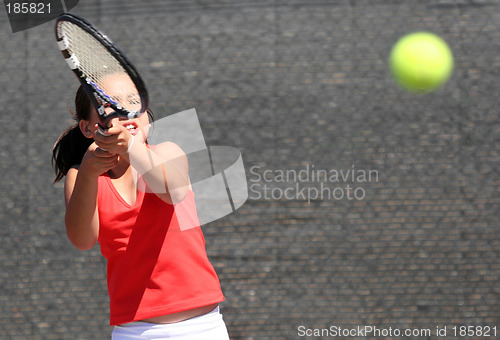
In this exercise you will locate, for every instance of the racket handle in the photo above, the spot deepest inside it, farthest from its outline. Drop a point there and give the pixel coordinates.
(101, 129)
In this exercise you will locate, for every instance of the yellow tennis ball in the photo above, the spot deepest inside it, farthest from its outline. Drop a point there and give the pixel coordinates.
(421, 62)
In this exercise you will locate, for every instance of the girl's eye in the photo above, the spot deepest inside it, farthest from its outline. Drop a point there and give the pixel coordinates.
(134, 99)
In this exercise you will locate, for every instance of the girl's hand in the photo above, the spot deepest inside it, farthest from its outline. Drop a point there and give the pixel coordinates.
(97, 161)
(115, 141)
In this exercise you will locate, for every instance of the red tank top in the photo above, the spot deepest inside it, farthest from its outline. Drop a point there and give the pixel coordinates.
(154, 268)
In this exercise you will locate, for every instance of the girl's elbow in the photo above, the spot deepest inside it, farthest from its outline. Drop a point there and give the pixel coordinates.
(178, 195)
(82, 244)
(82, 240)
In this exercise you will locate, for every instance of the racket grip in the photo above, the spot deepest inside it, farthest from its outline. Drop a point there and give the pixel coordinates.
(101, 129)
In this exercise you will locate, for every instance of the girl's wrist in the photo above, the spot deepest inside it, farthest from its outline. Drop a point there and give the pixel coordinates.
(87, 172)
(130, 143)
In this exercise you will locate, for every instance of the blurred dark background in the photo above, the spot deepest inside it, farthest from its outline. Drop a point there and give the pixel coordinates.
(293, 85)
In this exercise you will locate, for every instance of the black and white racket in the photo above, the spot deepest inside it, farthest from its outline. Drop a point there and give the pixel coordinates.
(104, 71)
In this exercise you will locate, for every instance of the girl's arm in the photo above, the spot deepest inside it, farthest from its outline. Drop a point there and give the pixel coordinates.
(164, 168)
(80, 191)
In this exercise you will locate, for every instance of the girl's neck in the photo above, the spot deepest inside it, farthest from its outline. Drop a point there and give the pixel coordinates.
(122, 168)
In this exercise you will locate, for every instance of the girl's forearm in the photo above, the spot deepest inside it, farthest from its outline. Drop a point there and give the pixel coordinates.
(168, 178)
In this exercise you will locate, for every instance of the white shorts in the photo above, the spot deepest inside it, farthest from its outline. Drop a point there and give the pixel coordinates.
(209, 326)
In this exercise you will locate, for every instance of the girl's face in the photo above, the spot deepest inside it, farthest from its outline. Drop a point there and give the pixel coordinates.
(121, 89)
(134, 126)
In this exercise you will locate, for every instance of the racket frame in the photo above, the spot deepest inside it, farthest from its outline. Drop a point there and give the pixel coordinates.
(98, 97)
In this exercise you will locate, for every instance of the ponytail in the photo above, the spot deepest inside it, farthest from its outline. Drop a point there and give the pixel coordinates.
(69, 151)
(72, 144)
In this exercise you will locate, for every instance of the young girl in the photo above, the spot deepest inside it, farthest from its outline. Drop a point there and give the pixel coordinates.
(161, 284)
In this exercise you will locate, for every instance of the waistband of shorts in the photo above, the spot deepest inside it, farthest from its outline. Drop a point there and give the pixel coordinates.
(194, 320)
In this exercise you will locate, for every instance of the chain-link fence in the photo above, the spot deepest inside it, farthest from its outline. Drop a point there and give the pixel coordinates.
(368, 205)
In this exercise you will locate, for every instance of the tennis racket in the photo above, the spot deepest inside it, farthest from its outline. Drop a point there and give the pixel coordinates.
(105, 73)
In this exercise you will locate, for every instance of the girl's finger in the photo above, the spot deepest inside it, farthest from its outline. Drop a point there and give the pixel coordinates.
(101, 152)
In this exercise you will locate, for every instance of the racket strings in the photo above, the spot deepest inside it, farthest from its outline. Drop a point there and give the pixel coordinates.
(99, 67)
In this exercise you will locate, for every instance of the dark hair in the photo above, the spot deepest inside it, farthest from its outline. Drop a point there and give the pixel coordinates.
(71, 146)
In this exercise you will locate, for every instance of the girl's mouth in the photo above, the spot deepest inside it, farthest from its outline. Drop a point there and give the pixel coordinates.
(132, 128)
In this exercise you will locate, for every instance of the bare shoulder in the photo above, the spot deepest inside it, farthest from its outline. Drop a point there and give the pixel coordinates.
(72, 173)
(69, 182)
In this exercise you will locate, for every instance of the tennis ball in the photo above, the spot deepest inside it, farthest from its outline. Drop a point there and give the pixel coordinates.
(421, 62)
